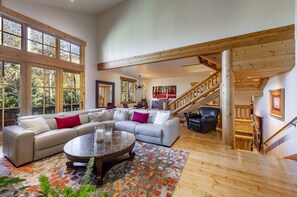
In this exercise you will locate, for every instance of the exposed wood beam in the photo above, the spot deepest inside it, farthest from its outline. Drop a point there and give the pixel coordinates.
(261, 37)
(207, 63)
(214, 58)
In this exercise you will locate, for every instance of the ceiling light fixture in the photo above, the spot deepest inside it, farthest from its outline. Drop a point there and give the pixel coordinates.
(139, 86)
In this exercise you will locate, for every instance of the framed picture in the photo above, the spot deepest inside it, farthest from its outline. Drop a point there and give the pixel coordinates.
(164, 92)
(277, 102)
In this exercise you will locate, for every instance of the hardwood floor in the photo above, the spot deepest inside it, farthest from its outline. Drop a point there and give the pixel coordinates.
(214, 169)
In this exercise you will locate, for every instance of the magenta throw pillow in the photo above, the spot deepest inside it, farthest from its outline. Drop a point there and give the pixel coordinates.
(68, 122)
(140, 117)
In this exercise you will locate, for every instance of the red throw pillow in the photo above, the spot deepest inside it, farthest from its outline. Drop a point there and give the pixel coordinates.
(68, 122)
(140, 117)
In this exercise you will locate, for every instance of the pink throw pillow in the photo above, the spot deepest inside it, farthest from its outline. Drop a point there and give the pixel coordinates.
(140, 117)
(68, 122)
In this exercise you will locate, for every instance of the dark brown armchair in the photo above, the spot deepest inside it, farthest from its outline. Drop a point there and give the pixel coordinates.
(206, 120)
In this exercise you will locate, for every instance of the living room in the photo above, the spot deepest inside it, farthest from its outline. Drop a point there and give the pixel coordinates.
(123, 39)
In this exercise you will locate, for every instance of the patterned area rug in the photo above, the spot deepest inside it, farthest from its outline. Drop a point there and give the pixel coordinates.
(154, 171)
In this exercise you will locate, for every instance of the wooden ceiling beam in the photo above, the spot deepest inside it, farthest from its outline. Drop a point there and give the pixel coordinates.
(217, 46)
(207, 63)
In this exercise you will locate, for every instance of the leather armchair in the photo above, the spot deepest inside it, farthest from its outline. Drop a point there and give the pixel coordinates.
(205, 121)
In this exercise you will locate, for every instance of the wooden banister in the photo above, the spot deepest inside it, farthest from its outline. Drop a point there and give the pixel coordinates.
(292, 122)
(243, 111)
(194, 87)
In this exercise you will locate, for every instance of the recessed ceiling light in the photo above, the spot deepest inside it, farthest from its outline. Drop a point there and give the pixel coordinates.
(71, 0)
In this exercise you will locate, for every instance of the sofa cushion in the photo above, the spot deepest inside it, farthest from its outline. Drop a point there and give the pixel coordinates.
(140, 117)
(161, 117)
(152, 116)
(126, 125)
(68, 122)
(149, 130)
(97, 116)
(87, 128)
(37, 125)
(53, 138)
(120, 115)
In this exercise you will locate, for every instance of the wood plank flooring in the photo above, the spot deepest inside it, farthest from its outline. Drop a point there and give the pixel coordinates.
(214, 169)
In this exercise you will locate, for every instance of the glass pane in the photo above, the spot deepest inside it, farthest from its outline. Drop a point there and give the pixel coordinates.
(75, 49)
(1, 73)
(37, 96)
(76, 96)
(124, 97)
(124, 86)
(10, 116)
(49, 40)
(75, 58)
(37, 110)
(12, 74)
(49, 51)
(67, 80)
(67, 96)
(50, 78)
(34, 47)
(12, 27)
(0, 38)
(0, 23)
(50, 110)
(66, 107)
(34, 35)
(75, 107)
(11, 96)
(37, 78)
(64, 45)
(64, 55)
(12, 41)
(50, 96)
(76, 81)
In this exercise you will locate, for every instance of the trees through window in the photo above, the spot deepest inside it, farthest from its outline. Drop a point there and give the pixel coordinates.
(71, 91)
(41, 43)
(69, 52)
(127, 90)
(43, 90)
(11, 33)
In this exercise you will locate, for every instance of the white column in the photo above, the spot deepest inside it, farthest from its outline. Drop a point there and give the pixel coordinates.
(227, 98)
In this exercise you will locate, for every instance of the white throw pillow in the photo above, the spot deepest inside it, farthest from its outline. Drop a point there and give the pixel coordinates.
(37, 125)
(161, 117)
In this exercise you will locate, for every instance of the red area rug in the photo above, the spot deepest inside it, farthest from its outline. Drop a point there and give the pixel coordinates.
(154, 171)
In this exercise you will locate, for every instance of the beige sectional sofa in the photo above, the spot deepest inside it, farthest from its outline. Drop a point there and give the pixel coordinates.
(22, 146)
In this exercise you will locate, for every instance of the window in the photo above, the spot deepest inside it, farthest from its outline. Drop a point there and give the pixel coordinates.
(71, 91)
(69, 52)
(43, 90)
(127, 90)
(10, 75)
(11, 33)
(41, 43)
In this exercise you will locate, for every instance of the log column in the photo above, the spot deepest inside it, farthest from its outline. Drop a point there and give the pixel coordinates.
(227, 98)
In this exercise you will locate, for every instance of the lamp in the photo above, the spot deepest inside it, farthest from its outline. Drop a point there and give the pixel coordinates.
(139, 86)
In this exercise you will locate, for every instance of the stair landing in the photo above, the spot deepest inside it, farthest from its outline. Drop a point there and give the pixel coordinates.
(214, 169)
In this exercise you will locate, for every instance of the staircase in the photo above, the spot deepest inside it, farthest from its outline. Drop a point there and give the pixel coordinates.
(200, 94)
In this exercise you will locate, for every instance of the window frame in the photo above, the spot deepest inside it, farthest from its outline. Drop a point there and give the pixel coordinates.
(62, 87)
(42, 44)
(2, 32)
(128, 80)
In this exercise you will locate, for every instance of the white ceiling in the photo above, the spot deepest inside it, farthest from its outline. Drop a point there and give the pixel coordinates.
(172, 68)
(86, 6)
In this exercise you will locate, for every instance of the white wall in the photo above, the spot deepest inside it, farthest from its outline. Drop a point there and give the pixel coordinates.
(80, 25)
(138, 27)
(271, 123)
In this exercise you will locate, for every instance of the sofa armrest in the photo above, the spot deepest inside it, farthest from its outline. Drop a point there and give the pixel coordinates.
(18, 144)
(171, 131)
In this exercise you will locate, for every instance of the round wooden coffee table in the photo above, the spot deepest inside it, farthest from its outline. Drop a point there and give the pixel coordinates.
(82, 148)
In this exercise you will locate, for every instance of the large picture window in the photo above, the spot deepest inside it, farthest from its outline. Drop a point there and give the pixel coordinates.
(69, 52)
(11, 33)
(43, 90)
(71, 91)
(127, 90)
(41, 43)
(10, 74)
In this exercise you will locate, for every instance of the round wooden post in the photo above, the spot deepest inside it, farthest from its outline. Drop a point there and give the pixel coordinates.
(227, 98)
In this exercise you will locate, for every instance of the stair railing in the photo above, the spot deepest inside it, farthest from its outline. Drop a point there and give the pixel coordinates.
(264, 144)
(196, 91)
